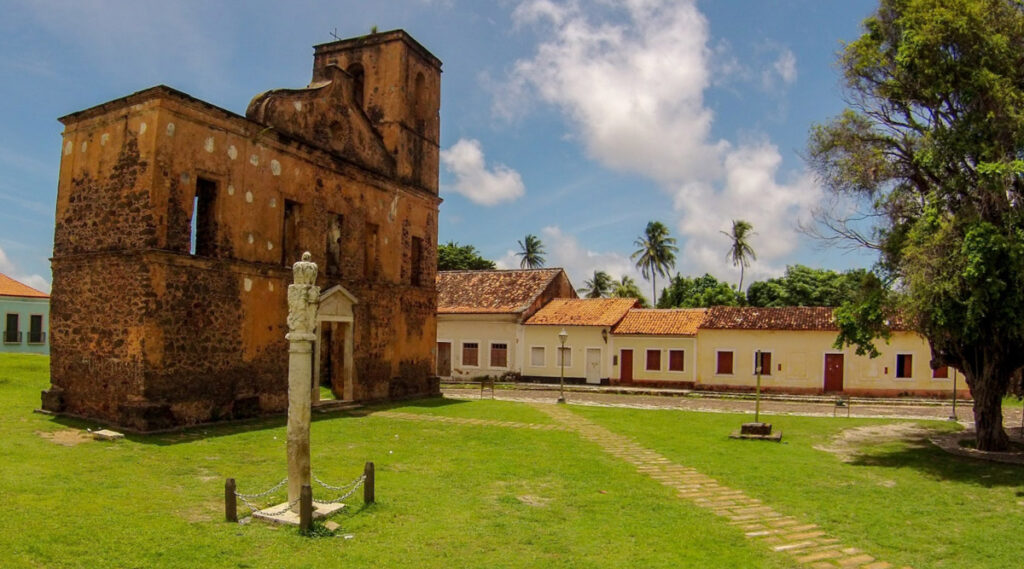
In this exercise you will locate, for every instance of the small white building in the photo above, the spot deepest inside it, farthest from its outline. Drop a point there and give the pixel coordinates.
(480, 317)
(26, 318)
(587, 353)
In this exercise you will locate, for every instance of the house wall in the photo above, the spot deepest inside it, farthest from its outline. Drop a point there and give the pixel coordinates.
(580, 339)
(663, 344)
(24, 308)
(484, 330)
(798, 363)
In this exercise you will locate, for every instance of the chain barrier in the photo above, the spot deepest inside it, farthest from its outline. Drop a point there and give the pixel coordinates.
(262, 494)
(349, 489)
(254, 508)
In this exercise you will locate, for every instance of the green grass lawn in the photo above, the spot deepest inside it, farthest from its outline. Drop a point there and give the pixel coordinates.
(452, 495)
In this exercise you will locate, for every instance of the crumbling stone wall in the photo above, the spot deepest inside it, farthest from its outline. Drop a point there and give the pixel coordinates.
(198, 336)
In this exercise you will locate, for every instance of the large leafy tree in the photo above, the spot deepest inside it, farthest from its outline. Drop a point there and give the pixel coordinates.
(598, 286)
(656, 253)
(454, 257)
(531, 249)
(741, 253)
(804, 286)
(932, 147)
(698, 292)
(626, 287)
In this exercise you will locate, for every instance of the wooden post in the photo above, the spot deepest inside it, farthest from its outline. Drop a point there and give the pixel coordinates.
(306, 508)
(230, 501)
(368, 493)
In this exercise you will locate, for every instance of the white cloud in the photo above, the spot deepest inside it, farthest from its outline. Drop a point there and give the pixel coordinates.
(7, 267)
(633, 89)
(465, 159)
(785, 66)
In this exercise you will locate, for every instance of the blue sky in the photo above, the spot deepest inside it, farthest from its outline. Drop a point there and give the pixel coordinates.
(576, 121)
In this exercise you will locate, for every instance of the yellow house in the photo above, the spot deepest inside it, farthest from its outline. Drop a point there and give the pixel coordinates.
(657, 347)
(480, 316)
(586, 354)
(797, 356)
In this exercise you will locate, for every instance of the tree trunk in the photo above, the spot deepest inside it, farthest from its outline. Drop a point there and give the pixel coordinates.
(654, 290)
(987, 389)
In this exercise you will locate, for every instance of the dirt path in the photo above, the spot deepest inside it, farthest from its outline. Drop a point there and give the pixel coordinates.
(1012, 416)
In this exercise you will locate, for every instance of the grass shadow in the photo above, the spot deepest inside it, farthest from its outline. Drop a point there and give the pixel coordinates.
(921, 454)
(231, 428)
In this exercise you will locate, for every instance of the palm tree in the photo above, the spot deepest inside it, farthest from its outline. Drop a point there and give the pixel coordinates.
(740, 252)
(599, 286)
(656, 254)
(532, 252)
(627, 288)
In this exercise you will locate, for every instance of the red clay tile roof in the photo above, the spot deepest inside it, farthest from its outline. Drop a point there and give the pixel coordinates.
(661, 322)
(583, 312)
(11, 287)
(784, 318)
(490, 292)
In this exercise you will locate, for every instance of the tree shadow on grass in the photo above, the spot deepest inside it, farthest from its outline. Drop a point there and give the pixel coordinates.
(920, 454)
(231, 428)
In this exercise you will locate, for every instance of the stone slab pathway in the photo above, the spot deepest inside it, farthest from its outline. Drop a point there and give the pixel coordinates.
(807, 543)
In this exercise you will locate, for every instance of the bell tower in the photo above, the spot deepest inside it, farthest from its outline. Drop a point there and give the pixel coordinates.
(397, 83)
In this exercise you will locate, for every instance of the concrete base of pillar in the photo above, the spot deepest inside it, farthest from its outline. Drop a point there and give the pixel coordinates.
(291, 518)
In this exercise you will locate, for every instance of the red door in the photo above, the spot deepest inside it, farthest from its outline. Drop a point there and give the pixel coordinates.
(833, 372)
(626, 366)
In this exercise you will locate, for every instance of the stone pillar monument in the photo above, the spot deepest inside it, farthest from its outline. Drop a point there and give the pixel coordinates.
(303, 298)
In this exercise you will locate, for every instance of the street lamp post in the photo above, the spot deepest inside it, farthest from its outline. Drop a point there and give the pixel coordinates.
(562, 337)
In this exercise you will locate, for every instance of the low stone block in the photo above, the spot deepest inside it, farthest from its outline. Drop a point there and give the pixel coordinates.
(107, 435)
(756, 429)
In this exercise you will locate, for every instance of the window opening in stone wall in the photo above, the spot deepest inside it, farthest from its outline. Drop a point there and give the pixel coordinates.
(653, 360)
(358, 82)
(35, 329)
(904, 365)
(370, 258)
(416, 262)
(335, 223)
(203, 234)
(470, 354)
(941, 372)
(291, 249)
(499, 355)
(11, 333)
(676, 360)
(419, 104)
(766, 363)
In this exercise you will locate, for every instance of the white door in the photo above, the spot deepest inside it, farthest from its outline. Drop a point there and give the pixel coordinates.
(594, 365)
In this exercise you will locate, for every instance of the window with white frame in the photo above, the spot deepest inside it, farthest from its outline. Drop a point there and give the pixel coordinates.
(723, 364)
(537, 356)
(499, 355)
(676, 360)
(904, 366)
(470, 354)
(564, 356)
(766, 363)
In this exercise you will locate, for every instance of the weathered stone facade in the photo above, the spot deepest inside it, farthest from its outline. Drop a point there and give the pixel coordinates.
(178, 222)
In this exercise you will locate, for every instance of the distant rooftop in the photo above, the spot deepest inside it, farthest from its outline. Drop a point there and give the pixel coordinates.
(11, 287)
(491, 292)
(583, 312)
(661, 322)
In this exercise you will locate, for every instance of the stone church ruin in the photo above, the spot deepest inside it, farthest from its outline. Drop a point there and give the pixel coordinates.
(178, 222)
